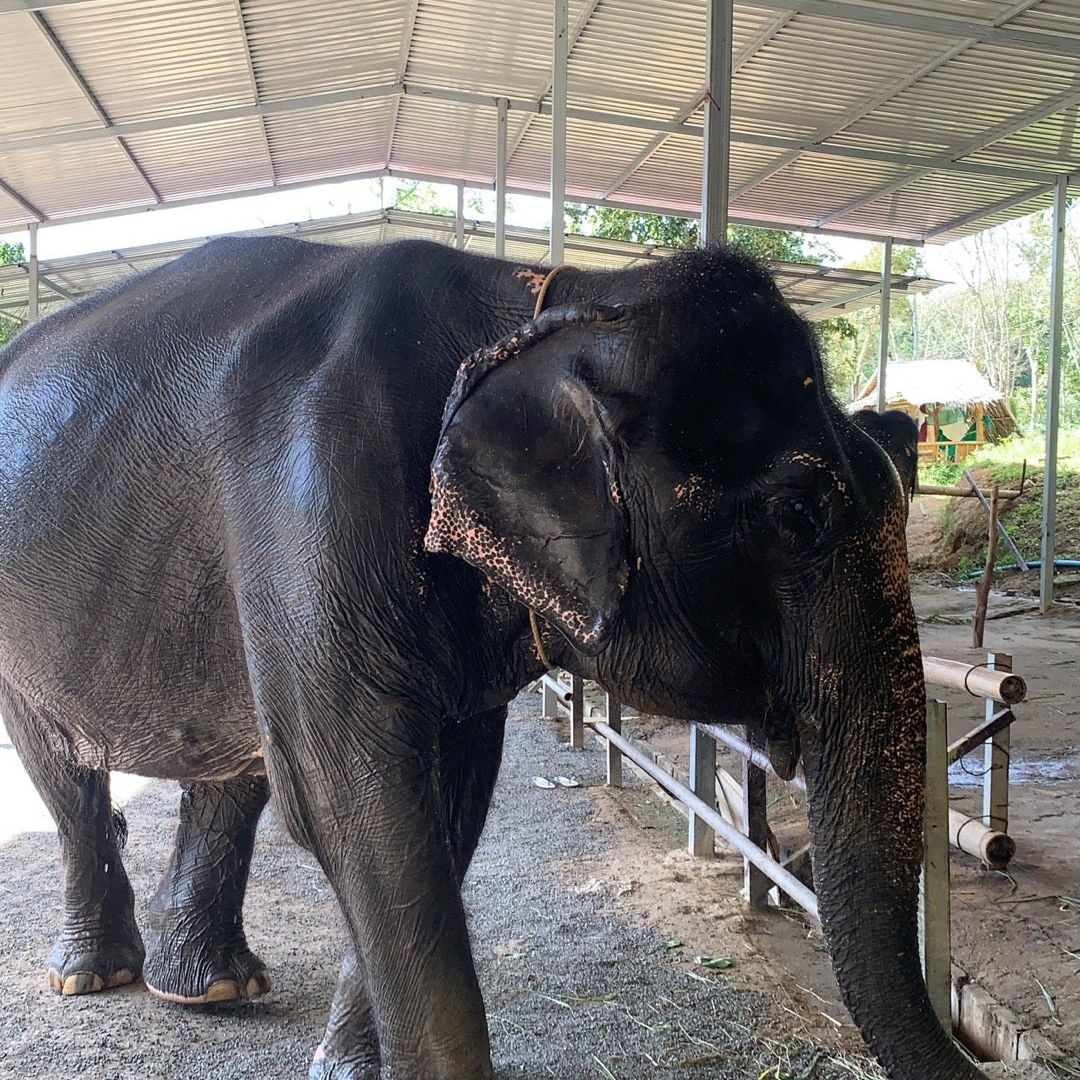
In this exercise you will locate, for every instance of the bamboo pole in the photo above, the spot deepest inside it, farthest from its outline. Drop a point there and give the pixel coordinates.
(969, 834)
(982, 592)
(977, 680)
(961, 493)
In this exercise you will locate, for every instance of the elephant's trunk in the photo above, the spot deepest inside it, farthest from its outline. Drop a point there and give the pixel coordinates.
(864, 752)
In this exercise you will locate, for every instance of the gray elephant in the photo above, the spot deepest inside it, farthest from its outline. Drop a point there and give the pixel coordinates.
(260, 522)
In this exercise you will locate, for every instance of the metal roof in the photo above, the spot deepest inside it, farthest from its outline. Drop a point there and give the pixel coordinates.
(818, 291)
(923, 120)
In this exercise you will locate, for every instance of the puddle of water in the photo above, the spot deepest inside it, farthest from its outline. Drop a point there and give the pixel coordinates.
(968, 771)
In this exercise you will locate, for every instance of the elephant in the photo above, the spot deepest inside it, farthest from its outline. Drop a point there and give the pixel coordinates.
(304, 518)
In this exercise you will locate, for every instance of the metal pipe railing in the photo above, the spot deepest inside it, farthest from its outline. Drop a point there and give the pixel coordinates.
(790, 884)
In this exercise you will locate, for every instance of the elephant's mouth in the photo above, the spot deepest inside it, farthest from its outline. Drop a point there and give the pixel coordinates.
(783, 753)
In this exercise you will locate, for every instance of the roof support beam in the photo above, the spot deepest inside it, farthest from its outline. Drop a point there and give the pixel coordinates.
(538, 98)
(559, 60)
(22, 201)
(869, 104)
(988, 211)
(500, 179)
(746, 53)
(9, 6)
(339, 97)
(921, 23)
(1053, 397)
(33, 297)
(253, 82)
(402, 71)
(886, 301)
(716, 138)
(950, 160)
(84, 88)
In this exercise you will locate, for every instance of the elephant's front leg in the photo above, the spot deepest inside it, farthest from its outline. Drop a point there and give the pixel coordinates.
(367, 799)
(469, 754)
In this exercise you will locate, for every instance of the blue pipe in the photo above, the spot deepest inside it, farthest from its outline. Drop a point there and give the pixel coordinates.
(1033, 564)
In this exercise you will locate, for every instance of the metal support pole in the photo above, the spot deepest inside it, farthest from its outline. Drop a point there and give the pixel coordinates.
(996, 759)
(886, 301)
(702, 838)
(934, 913)
(558, 128)
(549, 700)
(755, 884)
(716, 135)
(500, 178)
(577, 712)
(1053, 397)
(613, 713)
(32, 264)
(459, 221)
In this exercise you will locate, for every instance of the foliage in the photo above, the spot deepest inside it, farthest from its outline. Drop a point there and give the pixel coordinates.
(421, 198)
(852, 348)
(775, 245)
(9, 253)
(1005, 463)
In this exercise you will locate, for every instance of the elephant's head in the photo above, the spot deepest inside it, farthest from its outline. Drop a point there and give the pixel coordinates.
(668, 483)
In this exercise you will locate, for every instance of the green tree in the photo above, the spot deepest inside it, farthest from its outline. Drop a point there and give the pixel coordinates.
(851, 344)
(9, 253)
(776, 245)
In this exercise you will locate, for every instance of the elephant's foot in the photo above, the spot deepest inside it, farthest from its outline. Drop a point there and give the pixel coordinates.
(190, 973)
(326, 1065)
(85, 964)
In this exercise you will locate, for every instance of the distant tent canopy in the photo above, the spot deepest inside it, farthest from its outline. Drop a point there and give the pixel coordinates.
(956, 408)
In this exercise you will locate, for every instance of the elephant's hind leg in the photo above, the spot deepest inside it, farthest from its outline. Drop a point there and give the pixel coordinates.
(199, 953)
(99, 946)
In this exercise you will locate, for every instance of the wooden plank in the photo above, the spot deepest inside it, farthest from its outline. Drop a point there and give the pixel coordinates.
(755, 884)
(613, 715)
(701, 837)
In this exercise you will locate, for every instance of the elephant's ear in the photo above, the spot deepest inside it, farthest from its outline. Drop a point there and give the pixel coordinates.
(524, 479)
(898, 435)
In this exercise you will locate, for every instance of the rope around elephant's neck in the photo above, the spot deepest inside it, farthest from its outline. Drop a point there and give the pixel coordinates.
(534, 619)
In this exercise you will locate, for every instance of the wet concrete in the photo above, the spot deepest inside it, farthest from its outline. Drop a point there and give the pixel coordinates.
(572, 988)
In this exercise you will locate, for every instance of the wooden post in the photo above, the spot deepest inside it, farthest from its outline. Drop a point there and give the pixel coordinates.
(613, 712)
(982, 593)
(577, 712)
(996, 760)
(935, 939)
(702, 839)
(755, 884)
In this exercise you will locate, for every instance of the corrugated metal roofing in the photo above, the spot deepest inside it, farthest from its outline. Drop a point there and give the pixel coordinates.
(920, 119)
(820, 291)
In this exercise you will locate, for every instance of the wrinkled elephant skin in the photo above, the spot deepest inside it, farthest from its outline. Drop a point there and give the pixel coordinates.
(272, 517)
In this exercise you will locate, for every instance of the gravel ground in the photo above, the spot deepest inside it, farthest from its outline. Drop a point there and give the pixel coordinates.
(572, 989)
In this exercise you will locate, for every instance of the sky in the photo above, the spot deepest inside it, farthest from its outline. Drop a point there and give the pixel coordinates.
(319, 201)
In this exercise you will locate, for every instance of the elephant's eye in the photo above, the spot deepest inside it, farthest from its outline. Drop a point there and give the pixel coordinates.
(797, 521)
